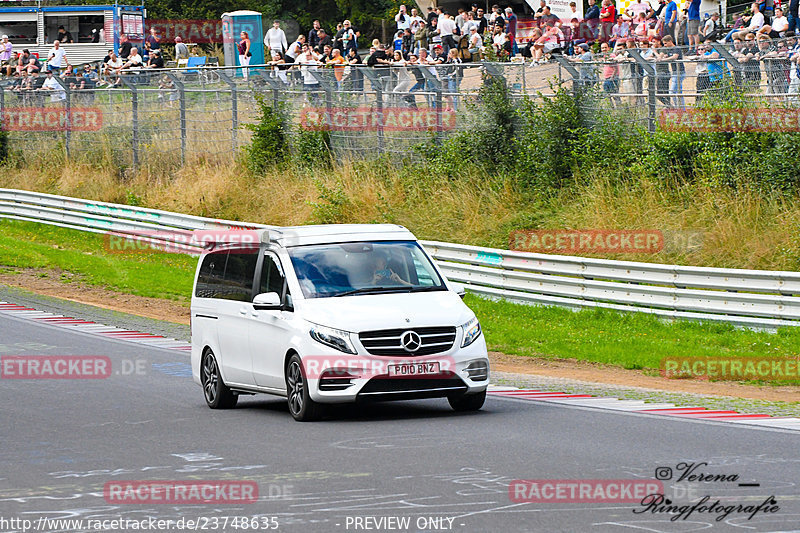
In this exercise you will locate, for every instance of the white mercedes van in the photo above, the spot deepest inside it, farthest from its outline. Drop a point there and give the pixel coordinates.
(331, 314)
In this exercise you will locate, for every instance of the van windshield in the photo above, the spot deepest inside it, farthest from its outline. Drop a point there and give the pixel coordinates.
(344, 269)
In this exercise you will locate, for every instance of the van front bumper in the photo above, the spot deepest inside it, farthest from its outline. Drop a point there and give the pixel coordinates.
(349, 378)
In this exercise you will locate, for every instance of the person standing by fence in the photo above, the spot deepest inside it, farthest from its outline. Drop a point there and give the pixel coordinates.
(674, 55)
(244, 53)
(275, 39)
(693, 25)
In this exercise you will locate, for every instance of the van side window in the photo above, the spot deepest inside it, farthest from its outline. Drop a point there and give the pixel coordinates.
(271, 276)
(239, 273)
(212, 274)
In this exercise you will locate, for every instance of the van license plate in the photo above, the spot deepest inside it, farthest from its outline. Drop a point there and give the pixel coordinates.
(414, 369)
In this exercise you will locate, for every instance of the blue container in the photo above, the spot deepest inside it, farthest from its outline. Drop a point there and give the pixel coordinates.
(232, 25)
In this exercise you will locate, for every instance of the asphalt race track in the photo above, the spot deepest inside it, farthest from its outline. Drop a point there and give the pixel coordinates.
(408, 466)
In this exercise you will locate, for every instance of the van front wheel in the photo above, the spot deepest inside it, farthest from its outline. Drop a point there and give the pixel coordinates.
(301, 406)
(467, 402)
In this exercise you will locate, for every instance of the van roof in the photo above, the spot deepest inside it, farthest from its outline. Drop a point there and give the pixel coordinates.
(325, 233)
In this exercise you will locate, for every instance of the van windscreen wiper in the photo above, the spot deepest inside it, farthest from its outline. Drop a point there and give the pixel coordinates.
(368, 290)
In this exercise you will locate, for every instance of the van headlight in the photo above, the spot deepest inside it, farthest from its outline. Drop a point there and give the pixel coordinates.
(335, 338)
(472, 330)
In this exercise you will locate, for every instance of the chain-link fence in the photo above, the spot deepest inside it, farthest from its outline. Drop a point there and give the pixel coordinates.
(172, 116)
(678, 88)
(169, 117)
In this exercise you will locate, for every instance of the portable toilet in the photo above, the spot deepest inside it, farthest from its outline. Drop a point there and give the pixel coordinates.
(233, 24)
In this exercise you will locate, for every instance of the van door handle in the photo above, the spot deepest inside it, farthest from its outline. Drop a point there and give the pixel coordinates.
(242, 310)
(254, 314)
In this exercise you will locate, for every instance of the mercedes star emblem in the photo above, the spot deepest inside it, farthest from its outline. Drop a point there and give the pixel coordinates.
(411, 341)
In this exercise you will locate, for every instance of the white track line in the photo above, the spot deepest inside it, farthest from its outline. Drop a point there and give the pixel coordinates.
(639, 406)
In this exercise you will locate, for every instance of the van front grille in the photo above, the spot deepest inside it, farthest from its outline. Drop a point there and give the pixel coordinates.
(388, 342)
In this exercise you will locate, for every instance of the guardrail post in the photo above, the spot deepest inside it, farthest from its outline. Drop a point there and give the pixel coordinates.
(650, 71)
(134, 118)
(234, 108)
(182, 109)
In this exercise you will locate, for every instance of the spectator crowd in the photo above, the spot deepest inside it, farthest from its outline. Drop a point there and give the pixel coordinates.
(606, 46)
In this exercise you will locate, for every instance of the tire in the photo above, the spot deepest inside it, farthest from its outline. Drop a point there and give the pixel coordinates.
(301, 406)
(467, 402)
(217, 394)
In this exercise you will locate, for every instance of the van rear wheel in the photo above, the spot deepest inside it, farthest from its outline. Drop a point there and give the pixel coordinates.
(218, 395)
(301, 406)
(467, 402)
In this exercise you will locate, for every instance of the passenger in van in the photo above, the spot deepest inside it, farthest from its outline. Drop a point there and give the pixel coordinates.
(384, 274)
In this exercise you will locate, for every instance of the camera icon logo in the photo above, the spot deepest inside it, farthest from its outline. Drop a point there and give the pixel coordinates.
(663, 473)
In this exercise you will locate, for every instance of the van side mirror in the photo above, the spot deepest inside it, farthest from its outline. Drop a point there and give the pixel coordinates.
(459, 289)
(266, 301)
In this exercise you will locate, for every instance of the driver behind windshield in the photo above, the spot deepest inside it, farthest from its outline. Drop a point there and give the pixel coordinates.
(384, 274)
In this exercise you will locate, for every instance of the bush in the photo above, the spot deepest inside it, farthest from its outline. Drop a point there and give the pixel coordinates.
(3, 145)
(551, 141)
(269, 144)
(333, 206)
(312, 148)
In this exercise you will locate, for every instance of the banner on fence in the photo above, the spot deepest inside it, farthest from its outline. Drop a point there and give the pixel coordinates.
(52, 119)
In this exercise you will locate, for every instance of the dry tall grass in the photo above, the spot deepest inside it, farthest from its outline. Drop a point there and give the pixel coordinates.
(739, 229)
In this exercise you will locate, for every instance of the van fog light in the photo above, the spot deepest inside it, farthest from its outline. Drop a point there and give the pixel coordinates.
(477, 371)
(331, 380)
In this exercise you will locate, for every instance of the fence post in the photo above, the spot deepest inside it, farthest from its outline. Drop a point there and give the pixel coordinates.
(524, 85)
(377, 83)
(564, 62)
(495, 72)
(134, 117)
(234, 108)
(2, 106)
(650, 72)
(67, 109)
(379, 108)
(439, 105)
(182, 108)
(732, 61)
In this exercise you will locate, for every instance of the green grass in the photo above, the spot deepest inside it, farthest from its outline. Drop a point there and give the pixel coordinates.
(633, 341)
(157, 275)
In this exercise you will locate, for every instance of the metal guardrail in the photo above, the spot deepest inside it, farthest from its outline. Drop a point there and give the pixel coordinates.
(750, 298)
